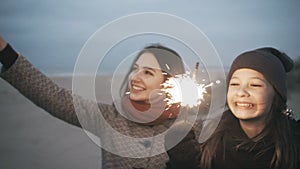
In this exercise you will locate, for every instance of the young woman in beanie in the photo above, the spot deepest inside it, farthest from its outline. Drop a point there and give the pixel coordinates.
(257, 132)
(144, 114)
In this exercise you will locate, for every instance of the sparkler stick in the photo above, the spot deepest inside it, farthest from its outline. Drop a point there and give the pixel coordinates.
(195, 71)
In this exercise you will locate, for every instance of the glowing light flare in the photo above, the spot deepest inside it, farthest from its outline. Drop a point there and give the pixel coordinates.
(184, 90)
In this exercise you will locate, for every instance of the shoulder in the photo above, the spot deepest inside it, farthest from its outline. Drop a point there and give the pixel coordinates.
(108, 111)
(295, 124)
(296, 129)
(184, 154)
(106, 107)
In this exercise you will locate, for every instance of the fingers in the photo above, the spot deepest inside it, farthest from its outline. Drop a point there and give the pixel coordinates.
(3, 43)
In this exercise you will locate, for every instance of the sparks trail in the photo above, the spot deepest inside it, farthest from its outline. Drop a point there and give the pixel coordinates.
(184, 90)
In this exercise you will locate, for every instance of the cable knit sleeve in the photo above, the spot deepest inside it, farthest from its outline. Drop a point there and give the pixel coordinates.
(54, 99)
(58, 101)
(41, 90)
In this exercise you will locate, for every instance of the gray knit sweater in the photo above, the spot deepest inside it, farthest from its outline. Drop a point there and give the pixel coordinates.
(136, 146)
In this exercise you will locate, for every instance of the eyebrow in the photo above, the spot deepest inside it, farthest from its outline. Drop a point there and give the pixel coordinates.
(146, 67)
(258, 78)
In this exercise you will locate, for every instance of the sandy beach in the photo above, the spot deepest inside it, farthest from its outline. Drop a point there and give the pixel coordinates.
(33, 139)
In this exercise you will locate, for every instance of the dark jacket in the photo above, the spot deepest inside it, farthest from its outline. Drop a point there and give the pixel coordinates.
(245, 157)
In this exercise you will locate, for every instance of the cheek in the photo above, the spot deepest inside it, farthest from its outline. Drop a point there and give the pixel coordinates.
(128, 80)
(229, 95)
(266, 96)
(155, 83)
(130, 76)
(265, 102)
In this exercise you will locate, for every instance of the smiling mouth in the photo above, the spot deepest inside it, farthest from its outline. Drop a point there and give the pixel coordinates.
(244, 105)
(137, 88)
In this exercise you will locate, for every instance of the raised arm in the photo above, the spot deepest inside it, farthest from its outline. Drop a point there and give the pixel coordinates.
(38, 88)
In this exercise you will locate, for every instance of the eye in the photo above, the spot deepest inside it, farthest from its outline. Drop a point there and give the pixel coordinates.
(149, 72)
(233, 84)
(256, 85)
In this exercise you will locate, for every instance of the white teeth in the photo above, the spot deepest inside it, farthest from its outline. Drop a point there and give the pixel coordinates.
(137, 87)
(244, 104)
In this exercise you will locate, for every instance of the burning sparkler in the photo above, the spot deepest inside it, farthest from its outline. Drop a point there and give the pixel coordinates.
(195, 71)
(184, 90)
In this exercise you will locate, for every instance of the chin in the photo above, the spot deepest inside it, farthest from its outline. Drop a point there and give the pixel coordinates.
(242, 116)
(136, 98)
(249, 118)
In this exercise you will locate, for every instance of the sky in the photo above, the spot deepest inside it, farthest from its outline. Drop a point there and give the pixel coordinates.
(51, 33)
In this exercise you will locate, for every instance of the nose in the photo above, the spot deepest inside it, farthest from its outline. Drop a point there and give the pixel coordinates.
(136, 75)
(242, 91)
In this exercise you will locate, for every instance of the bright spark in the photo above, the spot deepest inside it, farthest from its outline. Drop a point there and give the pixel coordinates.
(184, 90)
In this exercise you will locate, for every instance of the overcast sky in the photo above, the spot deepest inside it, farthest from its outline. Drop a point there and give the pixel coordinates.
(51, 33)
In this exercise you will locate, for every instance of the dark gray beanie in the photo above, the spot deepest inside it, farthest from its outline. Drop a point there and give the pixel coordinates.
(272, 63)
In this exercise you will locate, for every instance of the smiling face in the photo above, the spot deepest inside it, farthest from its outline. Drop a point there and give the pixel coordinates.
(249, 95)
(145, 78)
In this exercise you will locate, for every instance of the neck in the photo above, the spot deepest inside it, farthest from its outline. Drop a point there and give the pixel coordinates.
(252, 129)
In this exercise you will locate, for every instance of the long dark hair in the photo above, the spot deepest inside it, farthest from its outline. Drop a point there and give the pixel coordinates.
(278, 126)
(163, 54)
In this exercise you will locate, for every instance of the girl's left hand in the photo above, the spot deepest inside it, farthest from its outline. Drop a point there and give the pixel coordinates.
(3, 43)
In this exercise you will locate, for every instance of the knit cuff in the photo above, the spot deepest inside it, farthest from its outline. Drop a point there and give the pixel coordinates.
(8, 56)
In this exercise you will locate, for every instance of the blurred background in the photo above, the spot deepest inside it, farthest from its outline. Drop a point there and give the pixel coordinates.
(51, 33)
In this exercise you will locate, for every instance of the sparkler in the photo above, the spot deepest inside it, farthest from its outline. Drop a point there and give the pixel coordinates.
(184, 90)
(195, 71)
